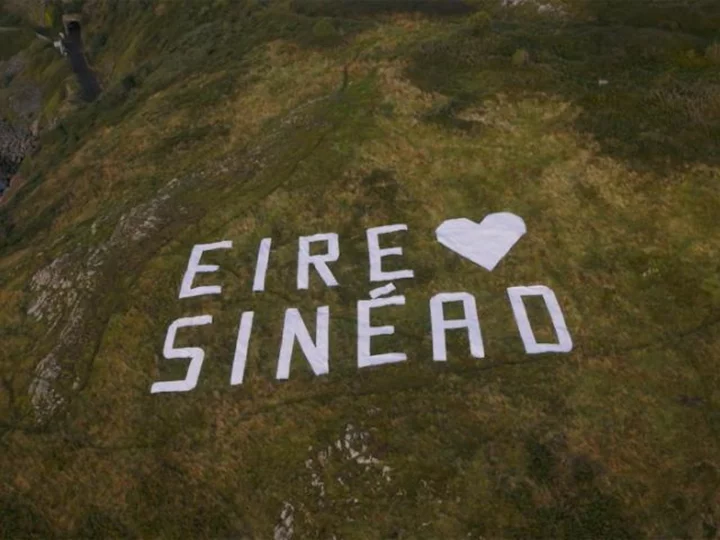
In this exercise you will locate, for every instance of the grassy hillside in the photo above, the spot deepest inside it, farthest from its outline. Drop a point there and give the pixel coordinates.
(596, 121)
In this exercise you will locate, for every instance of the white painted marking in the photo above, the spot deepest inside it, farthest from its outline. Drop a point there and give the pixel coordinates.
(484, 243)
(564, 343)
(382, 291)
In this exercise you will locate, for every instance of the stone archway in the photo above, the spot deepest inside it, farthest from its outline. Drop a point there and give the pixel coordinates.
(71, 24)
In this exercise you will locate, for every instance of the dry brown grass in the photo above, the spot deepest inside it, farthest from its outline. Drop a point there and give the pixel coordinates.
(700, 105)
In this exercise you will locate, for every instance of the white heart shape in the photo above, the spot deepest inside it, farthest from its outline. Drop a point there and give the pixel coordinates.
(484, 243)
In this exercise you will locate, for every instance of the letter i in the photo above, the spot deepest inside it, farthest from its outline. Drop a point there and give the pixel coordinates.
(262, 264)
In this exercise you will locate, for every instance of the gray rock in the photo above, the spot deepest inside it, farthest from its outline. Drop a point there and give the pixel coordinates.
(12, 67)
(15, 143)
(26, 102)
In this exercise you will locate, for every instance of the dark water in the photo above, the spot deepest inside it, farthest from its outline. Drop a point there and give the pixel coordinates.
(89, 86)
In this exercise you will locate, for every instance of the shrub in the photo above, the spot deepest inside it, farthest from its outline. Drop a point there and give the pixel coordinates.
(712, 53)
(358, 8)
(73, 6)
(324, 31)
(129, 82)
(9, 19)
(480, 22)
(481, 5)
(521, 57)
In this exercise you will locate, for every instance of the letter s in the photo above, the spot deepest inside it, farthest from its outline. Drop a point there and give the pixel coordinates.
(195, 354)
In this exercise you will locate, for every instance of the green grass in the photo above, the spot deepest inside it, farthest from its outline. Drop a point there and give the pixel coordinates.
(13, 40)
(657, 105)
(275, 126)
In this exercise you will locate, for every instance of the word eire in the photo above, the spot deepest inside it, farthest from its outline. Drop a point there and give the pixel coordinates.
(316, 350)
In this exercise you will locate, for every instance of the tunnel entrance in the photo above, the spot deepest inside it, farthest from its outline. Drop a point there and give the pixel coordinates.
(71, 23)
(73, 29)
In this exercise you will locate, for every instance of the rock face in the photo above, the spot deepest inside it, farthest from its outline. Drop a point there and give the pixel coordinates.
(12, 67)
(15, 143)
(17, 138)
(63, 295)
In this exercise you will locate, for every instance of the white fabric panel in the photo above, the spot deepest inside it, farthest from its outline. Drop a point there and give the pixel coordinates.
(195, 354)
(317, 353)
(382, 291)
(241, 348)
(376, 254)
(194, 267)
(516, 295)
(440, 325)
(305, 260)
(366, 332)
(484, 243)
(262, 265)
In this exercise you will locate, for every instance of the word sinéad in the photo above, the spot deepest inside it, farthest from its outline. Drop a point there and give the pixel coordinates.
(480, 243)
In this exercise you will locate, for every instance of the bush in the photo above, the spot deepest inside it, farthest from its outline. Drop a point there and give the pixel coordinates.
(9, 19)
(73, 6)
(712, 53)
(364, 8)
(480, 22)
(129, 82)
(324, 31)
(97, 42)
(521, 57)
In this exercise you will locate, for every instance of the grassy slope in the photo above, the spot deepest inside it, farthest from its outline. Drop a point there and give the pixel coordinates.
(246, 107)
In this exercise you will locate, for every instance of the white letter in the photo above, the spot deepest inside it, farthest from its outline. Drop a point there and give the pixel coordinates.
(262, 264)
(194, 267)
(376, 254)
(440, 324)
(365, 332)
(241, 348)
(564, 343)
(195, 354)
(318, 261)
(316, 353)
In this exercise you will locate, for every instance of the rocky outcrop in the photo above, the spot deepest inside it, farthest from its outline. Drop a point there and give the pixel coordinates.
(17, 138)
(12, 67)
(64, 294)
(25, 101)
(15, 143)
